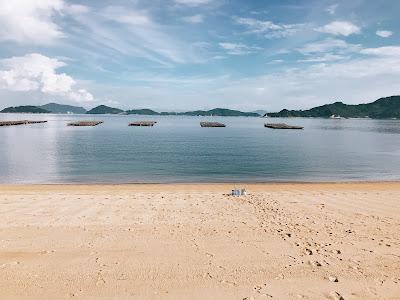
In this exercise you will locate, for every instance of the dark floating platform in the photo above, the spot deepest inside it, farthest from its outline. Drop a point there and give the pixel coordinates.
(143, 123)
(22, 122)
(85, 123)
(282, 126)
(211, 124)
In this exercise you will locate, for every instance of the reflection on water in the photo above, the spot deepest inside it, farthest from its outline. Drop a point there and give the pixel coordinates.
(178, 150)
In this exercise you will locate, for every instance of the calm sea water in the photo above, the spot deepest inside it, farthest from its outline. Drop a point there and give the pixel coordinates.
(177, 149)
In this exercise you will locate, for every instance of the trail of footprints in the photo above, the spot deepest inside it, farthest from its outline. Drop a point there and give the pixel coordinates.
(317, 249)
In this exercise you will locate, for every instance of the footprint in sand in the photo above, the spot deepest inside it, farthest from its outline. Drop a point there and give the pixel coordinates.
(259, 289)
(335, 296)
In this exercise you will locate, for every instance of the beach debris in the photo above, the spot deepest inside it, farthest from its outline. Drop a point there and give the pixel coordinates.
(281, 126)
(212, 124)
(143, 123)
(21, 122)
(85, 123)
(239, 192)
(333, 279)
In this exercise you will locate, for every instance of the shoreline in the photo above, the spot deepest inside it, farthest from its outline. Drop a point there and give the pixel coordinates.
(200, 183)
(227, 187)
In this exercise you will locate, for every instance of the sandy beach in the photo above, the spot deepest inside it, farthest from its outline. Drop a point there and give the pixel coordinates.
(281, 241)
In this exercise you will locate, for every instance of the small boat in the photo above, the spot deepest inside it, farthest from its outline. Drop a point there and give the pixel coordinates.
(335, 117)
(212, 124)
(281, 126)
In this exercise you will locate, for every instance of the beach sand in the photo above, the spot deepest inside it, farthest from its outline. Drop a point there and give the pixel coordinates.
(281, 241)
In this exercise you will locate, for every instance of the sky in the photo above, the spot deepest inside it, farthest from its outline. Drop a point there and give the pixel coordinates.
(176, 55)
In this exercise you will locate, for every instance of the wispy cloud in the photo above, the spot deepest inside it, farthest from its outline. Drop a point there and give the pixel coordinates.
(275, 62)
(36, 72)
(110, 27)
(384, 33)
(122, 15)
(195, 19)
(319, 83)
(268, 28)
(331, 9)
(193, 2)
(238, 49)
(328, 45)
(340, 28)
(324, 58)
(393, 51)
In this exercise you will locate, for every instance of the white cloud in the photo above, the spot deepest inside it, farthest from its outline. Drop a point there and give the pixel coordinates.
(77, 9)
(193, 2)
(383, 51)
(275, 62)
(324, 58)
(268, 28)
(331, 9)
(36, 72)
(384, 33)
(340, 28)
(238, 49)
(195, 19)
(30, 21)
(329, 45)
(120, 14)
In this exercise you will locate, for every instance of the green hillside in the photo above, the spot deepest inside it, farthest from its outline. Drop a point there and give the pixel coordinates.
(383, 108)
(25, 109)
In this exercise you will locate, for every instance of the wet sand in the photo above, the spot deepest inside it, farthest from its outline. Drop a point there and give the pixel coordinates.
(281, 241)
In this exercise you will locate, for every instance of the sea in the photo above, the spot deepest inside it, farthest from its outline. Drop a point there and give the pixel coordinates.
(178, 150)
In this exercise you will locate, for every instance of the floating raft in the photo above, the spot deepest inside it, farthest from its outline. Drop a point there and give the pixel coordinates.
(22, 122)
(282, 126)
(211, 124)
(143, 123)
(85, 123)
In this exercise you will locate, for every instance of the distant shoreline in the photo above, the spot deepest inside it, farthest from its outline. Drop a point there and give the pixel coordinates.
(195, 116)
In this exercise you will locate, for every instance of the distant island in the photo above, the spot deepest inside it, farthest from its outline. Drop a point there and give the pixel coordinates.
(144, 111)
(26, 109)
(56, 108)
(213, 112)
(103, 109)
(222, 112)
(383, 108)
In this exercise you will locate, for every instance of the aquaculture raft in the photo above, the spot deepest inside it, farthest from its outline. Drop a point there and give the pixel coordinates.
(85, 123)
(282, 126)
(143, 123)
(211, 124)
(22, 122)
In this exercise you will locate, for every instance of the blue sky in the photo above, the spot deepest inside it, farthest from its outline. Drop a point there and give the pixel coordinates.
(186, 54)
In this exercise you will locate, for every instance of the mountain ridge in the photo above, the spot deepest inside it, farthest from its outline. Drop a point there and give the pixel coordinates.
(383, 108)
(25, 109)
(56, 108)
